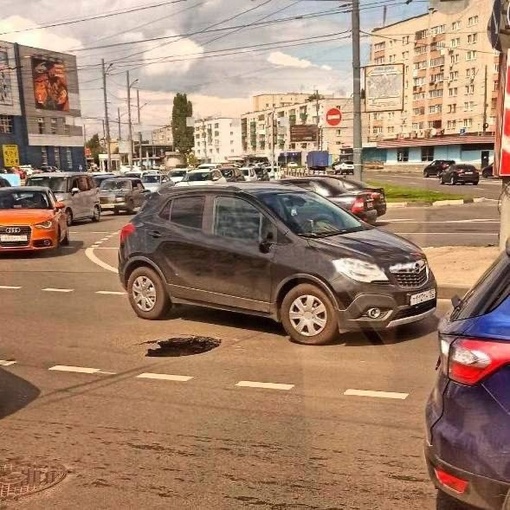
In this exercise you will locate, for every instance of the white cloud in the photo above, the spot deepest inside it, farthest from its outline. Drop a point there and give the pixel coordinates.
(326, 68)
(282, 59)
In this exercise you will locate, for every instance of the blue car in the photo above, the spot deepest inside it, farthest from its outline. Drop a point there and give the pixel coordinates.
(468, 413)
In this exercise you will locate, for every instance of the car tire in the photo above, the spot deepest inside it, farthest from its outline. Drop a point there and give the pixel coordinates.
(475, 183)
(130, 209)
(309, 299)
(69, 217)
(147, 294)
(426, 175)
(441, 181)
(96, 216)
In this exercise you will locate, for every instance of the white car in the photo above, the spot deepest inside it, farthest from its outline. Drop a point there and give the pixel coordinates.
(202, 177)
(249, 173)
(208, 166)
(177, 175)
(152, 181)
(346, 167)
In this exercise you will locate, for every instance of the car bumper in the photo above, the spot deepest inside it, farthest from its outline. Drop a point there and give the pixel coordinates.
(43, 241)
(468, 178)
(395, 310)
(368, 216)
(112, 206)
(481, 492)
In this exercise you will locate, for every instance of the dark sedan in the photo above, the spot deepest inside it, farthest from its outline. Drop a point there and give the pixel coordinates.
(355, 201)
(378, 194)
(460, 174)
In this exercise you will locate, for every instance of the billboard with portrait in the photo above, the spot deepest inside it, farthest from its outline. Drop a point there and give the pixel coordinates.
(5, 80)
(384, 88)
(50, 85)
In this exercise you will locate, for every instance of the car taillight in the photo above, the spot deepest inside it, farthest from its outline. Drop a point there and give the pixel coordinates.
(451, 481)
(359, 205)
(126, 231)
(469, 360)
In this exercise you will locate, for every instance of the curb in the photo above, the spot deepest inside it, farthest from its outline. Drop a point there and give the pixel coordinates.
(449, 291)
(440, 203)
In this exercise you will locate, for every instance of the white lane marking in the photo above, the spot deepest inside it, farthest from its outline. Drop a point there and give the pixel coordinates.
(51, 289)
(110, 293)
(376, 394)
(266, 386)
(103, 372)
(419, 222)
(164, 377)
(89, 253)
(77, 370)
(9, 287)
(105, 248)
(104, 239)
(6, 363)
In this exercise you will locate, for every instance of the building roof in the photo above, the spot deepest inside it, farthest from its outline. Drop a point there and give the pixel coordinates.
(377, 29)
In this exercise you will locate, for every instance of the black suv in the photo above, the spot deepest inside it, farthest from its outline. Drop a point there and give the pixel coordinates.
(272, 250)
(437, 167)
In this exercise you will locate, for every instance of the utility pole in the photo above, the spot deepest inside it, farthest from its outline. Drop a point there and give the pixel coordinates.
(273, 151)
(317, 108)
(139, 127)
(130, 124)
(119, 124)
(357, 141)
(484, 125)
(107, 120)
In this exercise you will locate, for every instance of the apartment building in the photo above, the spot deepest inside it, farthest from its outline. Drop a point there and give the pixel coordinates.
(163, 136)
(217, 139)
(450, 88)
(291, 144)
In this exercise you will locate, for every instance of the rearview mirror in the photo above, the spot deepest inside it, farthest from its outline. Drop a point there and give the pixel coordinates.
(59, 206)
(265, 244)
(74, 191)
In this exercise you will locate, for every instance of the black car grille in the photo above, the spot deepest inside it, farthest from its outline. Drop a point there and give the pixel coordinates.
(415, 310)
(412, 280)
(15, 230)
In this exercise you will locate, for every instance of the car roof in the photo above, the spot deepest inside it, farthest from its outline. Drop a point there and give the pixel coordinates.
(60, 174)
(25, 188)
(247, 187)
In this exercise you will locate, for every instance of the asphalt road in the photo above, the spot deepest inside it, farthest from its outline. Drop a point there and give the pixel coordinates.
(258, 422)
(487, 188)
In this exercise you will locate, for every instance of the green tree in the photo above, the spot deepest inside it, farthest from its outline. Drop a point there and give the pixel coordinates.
(315, 97)
(95, 148)
(183, 135)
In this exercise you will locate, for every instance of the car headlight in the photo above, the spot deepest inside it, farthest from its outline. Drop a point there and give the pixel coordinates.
(44, 225)
(360, 271)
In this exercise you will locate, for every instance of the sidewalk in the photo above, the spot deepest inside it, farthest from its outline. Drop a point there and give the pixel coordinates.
(457, 268)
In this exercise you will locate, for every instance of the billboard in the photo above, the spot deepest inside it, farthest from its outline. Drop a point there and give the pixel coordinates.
(5, 80)
(384, 88)
(303, 133)
(50, 85)
(11, 155)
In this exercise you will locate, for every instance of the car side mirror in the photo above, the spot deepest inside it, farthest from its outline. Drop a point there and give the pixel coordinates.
(74, 191)
(265, 244)
(59, 206)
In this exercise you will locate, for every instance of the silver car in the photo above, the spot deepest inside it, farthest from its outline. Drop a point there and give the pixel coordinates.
(122, 194)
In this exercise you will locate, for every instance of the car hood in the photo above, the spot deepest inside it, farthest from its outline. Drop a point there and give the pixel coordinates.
(152, 186)
(25, 216)
(380, 246)
(114, 193)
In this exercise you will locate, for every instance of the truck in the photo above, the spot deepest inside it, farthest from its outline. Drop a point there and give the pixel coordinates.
(317, 160)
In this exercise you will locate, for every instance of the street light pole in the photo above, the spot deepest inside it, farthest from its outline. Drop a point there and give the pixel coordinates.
(357, 141)
(107, 120)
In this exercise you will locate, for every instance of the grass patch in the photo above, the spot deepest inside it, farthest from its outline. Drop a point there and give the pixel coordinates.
(395, 193)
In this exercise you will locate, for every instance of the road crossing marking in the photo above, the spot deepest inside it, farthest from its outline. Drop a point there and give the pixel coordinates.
(77, 370)
(51, 289)
(164, 377)
(9, 287)
(6, 363)
(110, 293)
(266, 386)
(376, 394)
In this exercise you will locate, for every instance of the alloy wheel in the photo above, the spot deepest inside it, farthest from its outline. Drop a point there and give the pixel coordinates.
(144, 293)
(308, 315)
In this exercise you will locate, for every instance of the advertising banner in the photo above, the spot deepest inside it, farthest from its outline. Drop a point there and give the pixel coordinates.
(384, 88)
(5, 80)
(50, 85)
(10, 155)
(303, 133)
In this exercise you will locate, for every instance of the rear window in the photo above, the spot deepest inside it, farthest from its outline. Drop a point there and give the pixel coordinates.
(188, 211)
(491, 290)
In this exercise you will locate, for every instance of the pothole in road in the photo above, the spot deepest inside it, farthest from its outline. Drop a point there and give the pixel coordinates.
(182, 346)
(20, 478)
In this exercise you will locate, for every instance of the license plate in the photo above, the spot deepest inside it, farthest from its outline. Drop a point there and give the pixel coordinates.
(423, 297)
(468, 173)
(6, 238)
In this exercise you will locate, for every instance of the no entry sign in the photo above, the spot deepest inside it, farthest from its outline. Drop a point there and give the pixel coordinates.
(333, 117)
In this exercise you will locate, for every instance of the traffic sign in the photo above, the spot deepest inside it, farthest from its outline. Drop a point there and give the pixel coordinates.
(333, 117)
(11, 155)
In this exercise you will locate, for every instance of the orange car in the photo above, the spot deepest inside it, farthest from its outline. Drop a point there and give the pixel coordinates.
(31, 218)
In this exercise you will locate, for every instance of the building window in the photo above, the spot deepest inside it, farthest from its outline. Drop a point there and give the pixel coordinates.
(453, 92)
(471, 55)
(427, 153)
(455, 42)
(456, 25)
(405, 39)
(451, 124)
(472, 38)
(468, 123)
(40, 125)
(473, 20)
(56, 151)
(454, 59)
(403, 154)
(379, 60)
(452, 108)
(470, 89)
(54, 126)
(44, 155)
(6, 125)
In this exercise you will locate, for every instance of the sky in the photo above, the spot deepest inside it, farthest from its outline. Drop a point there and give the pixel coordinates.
(219, 52)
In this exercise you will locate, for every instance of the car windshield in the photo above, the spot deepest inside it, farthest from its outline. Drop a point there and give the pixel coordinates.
(15, 199)
(115, 185)
(308, 214)
(151, 179)
(197, 176)
(56, 184)
(178, 173)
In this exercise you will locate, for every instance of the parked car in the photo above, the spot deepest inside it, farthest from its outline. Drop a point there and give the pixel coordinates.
(177, 175)
(31, 219)
(488, 171)
(437, 166)
(232, 174)
(378, 194)
(249, 173)
(460, 174)
(77, 190)
(344, 168)
(100, 177)
(201, 177)
(122, 194)
(152, 180)
(262, 173)
(272, 250)
(357, 202)
(468, 412)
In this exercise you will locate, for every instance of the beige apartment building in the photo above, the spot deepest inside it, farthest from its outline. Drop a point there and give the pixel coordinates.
(450, 88)
(256, 127)
(163, 136)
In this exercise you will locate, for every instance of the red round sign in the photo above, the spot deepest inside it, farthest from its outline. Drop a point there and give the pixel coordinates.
(333, 117)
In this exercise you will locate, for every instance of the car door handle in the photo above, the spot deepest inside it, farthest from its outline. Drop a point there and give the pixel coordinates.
(155, 234)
